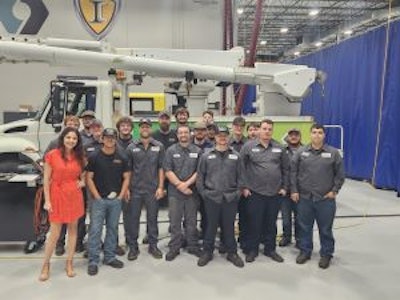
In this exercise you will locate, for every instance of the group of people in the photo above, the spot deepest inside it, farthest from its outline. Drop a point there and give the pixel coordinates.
(206, 168)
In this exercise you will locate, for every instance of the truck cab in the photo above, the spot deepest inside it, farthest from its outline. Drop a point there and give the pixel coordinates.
(68, 95)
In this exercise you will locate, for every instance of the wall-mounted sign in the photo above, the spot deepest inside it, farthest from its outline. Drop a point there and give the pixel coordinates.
(97, 16)
(14, 25)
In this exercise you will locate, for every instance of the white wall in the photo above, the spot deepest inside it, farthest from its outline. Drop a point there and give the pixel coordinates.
(141, 23)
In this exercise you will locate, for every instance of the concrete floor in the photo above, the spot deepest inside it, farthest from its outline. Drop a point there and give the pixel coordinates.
(366, 266)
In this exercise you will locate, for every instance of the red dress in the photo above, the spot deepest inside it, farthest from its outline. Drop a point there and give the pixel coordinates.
(65, 195)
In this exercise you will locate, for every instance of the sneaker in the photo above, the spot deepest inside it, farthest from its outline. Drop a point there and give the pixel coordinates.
(120, 251)
(302, 258)
(274, 256)
(115, 263)
(195, 251)
(155, 252)
(133, 253)
(79, 248)
(60, 250)
(171, 255)
(92, 270)
(251, 256)
(284, 242)
(145, 240)
(235, 259)
(324, 262)
(204, 259)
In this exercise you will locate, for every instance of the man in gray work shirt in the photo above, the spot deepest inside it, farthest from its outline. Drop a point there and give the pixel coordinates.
(145, 157)
(218, 182)
(265, 167)
(316, 176)
(180, 166)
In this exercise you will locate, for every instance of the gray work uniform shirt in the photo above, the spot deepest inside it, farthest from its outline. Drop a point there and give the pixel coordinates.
(87, 138)
(218, 175)
(145, 164)
(92, 146)
(237, 144)
(183, 162)
(124, 143)
(265, 169)
(314, 173)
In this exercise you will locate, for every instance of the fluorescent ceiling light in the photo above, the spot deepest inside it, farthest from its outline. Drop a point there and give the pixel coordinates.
(284, 30)
(313, 12)
(297, 53)
(240, 11)
(348, 32)
(318, 44)
(263, 43)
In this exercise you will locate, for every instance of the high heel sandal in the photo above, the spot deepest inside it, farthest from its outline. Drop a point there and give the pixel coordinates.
(45, 273)
(69, 268)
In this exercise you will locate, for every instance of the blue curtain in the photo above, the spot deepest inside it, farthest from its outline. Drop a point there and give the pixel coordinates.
(352, 99)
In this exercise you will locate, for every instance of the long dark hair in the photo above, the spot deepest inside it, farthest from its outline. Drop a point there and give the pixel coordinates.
(77, 150)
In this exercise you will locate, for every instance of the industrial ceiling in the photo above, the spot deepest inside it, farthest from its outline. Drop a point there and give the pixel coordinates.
(290, 28)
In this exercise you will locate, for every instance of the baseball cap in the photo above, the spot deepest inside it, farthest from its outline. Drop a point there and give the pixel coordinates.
(239, 121)
(212, 127)
(294, 130)
(199, 125)
(88, 113)
(96, 123)
(164, 114)
(110, 132)
(145, 121)
(222, 129)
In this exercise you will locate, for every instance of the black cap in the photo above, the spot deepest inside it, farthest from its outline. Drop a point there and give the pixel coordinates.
(294, 130)
(110, 132)
(88, 113)
(145, 121)
(96, 123)
(222, 129)
(164, 114)
(239, 121)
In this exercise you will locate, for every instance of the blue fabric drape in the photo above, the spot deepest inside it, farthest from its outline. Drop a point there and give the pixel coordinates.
(352, 99)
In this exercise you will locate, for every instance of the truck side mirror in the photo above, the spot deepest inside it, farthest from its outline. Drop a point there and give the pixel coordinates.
(57, 98)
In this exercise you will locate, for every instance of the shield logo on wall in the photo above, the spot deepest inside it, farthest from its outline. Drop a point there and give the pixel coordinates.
(97, 16)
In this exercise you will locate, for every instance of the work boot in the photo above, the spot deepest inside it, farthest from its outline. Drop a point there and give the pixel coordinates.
(133, 253)
(324, 262)
(251, 256)
(155, 252)
(235, 259)
(284, 242)
(274, 256)
(204, 259)
(171, 255)
(302, 258)
(60, 250)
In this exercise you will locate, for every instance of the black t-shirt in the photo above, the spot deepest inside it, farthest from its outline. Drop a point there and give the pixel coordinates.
(166, 139)
(108, 171)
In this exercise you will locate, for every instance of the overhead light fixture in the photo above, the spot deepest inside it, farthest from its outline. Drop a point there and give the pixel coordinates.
(318, 44)
(240, 11)
(263, 43)
(348, 32)
(297, 53)
(284, 30)
(313, 12)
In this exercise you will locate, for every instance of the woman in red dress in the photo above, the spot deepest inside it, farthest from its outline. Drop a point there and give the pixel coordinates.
(63, 180)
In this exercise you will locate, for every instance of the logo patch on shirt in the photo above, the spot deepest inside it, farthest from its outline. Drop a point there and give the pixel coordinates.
(305, 154)
(233, 156)
(136, 150)
(117, 161)
(255, 150)
(90, 149)
(212, 156)
(276, 150)
(171, 140)
(176, 155)
(326, 155)
(193, 155)
(155, 148)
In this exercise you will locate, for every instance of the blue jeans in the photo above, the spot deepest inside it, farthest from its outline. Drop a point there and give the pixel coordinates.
(323, 212)
(109, 211)
(287, 207)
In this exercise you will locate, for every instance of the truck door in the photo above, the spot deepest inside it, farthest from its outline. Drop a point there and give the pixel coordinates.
(66, 99)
